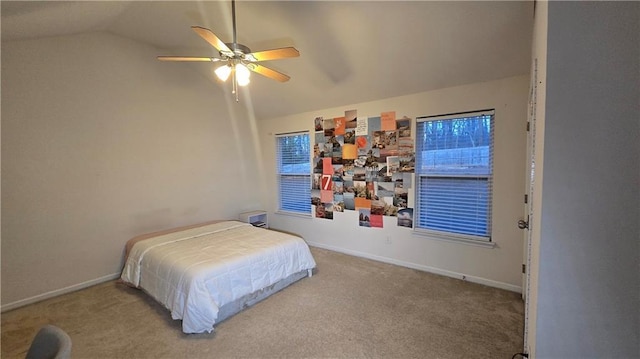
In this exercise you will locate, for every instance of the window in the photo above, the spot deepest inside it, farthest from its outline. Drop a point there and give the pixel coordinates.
(294, 172)
(454, 157)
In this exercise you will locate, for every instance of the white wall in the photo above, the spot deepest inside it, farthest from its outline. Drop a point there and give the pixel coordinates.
(101, 142)
(499, 266)
(588, 297)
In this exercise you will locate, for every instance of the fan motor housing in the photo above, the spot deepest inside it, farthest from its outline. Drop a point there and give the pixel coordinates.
(238, 49)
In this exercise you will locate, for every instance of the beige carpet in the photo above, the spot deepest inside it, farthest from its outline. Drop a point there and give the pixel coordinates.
(350, 308)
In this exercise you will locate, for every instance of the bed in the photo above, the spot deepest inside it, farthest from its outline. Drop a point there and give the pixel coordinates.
(206, 273)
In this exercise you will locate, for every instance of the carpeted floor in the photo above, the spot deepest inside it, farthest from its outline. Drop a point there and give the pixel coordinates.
(350, 308)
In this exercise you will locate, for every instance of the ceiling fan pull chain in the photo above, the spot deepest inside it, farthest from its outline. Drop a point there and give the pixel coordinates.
(234, 85)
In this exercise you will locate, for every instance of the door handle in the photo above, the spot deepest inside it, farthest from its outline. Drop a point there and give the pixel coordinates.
(522, 224)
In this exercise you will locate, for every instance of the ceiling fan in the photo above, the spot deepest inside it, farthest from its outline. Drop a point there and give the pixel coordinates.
(238, 58)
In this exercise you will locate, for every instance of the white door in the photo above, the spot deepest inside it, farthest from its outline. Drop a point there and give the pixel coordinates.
(528, 205)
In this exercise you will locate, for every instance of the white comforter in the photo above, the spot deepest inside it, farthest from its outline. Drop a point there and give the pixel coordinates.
(196, 271)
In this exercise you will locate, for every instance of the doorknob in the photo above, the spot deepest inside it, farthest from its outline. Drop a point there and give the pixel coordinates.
(522, 224)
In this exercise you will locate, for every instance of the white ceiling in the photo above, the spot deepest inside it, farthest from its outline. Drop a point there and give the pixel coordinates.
(350, 51)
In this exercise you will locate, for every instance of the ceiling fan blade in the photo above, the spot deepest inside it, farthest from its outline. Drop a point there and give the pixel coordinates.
(265, 71)
(187, 58)
(212, 39)
(274, 54)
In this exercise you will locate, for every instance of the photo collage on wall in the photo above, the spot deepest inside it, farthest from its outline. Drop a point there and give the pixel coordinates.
(363, 164)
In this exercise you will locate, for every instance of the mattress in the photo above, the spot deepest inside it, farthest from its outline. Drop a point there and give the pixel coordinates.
(196, 271)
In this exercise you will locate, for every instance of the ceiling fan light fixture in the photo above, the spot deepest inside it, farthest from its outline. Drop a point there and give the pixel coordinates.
(223, 72)
(242, 74)
(238, 58)
(243, 82)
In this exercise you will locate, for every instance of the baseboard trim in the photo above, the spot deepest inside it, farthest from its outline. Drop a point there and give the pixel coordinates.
(461, 276)
(57, 292)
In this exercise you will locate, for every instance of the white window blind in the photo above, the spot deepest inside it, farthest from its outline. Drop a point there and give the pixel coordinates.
(294, 172)
(454, 168)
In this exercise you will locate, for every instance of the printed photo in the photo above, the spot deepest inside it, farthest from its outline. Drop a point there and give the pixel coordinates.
(320, 137)
(379, 139)
(317, 165)
(405, 146)
(315, 197)
(400, 195)
(388, 120)
(328, 124)
(405, 217)
(338, 203)
(347, 168)
(371, 174)
(316, 181)
(407, 180)
(404, 127)
(362, 203)
(362, 126)
(349, 137)
(385, 189)
(348, 187)
(362, 144)
(326, 196)
(324, 210)
(359, 173)
(393, 165)
(328, 210)
(376, 221)
(336, 156)
(338, 188)
(364, 217)
(337, 172)
(349, 201)
(391, 140)
(399, 202)
(339, 125)
(408, 164)
(374, 124)
(360, 189)
(350, 117)
(377, 207)
(327, 151)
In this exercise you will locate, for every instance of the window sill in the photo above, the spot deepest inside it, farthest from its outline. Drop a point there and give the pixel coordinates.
(454, 239)
(293, 214)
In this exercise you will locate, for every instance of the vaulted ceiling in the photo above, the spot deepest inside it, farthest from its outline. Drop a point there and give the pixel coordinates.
(350, 51)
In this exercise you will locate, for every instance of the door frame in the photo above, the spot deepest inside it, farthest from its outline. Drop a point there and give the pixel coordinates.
(528, 203)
